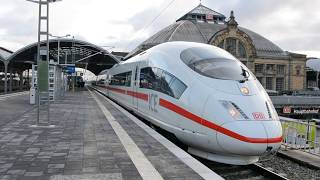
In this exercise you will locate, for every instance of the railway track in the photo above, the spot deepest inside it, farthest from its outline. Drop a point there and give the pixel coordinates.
(252, 171)
(227, 171)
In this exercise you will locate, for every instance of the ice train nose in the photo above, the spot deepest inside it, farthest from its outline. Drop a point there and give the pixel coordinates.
(252, 138)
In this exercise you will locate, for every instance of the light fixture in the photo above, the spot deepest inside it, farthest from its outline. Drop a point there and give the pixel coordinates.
(244, 90)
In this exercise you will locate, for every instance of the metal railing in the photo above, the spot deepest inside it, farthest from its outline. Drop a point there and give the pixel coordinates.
(301, 135)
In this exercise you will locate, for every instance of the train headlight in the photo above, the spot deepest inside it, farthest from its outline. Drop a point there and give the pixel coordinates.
(244, 90)
(233, 110)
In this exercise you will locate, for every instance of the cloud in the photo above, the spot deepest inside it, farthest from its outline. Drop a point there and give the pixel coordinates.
(291, 24)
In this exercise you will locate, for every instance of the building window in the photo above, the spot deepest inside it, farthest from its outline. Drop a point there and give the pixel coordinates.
(221, 44)
(231, 46)
(242, 51)
(258, 68)
(270, 69)
(298, 70)
(280, 69)
(234, 46)
(269, 84)
(279, 84)
(260, 79)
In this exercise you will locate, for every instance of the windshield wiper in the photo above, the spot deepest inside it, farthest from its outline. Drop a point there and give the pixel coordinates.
(245, 74)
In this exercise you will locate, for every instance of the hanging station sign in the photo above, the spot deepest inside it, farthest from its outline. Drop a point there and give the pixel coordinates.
(70, 69)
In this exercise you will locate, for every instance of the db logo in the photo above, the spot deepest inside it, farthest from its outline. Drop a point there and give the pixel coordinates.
(287, 109)
(258, 116)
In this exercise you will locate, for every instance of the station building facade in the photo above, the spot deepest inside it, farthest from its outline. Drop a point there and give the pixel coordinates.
(276, 69)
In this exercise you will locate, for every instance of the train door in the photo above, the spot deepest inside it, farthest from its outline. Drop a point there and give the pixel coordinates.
(135, 87)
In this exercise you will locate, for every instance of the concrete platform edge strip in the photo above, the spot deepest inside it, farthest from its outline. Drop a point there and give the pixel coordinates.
(143, 165)
(194, 164)
(4, 97)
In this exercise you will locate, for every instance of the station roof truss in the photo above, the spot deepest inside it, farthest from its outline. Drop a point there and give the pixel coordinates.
(4, 54)
(81, 53)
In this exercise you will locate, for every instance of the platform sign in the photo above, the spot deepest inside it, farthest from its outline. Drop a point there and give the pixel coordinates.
(70, 69)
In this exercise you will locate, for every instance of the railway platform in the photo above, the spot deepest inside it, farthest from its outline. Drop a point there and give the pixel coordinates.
(93, 138)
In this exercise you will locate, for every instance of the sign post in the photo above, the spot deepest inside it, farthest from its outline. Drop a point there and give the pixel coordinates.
(43, 97)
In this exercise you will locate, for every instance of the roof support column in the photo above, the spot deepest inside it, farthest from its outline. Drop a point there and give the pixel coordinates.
(317, 78)
(11, 79)
(21, 81)
(5, 77)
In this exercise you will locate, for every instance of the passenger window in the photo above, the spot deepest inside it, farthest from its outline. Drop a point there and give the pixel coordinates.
(128, 78)
(161, 81)
(165, 83)
(156, 84)
(122, 79)
(177, 88)
(146, 78)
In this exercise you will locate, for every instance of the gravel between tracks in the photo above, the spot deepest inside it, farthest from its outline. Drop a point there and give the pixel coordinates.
(292, 170)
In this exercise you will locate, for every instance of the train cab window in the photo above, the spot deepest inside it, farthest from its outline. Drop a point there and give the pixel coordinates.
(161, 81)
(147, 77)
(166, 79)
(122, 79)
(156, 85)
(177, 87)
(215, 63)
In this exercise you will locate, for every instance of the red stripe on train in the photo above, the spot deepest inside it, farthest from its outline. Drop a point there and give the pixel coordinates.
(166, 104)
(142, 96)
(138, 95)
(116, 90)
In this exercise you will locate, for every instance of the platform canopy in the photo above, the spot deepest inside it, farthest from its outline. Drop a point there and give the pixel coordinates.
(4, 54)
(81, 53)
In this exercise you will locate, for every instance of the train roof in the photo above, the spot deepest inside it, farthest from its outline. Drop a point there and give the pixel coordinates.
(172, 48)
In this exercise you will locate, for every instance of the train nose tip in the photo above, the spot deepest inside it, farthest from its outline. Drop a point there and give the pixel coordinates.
(249, 137)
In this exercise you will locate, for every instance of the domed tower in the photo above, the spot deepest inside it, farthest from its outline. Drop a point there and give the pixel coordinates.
(276, 69)
(204, 14)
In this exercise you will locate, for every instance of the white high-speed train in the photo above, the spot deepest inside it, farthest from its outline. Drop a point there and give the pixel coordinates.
(203, 95)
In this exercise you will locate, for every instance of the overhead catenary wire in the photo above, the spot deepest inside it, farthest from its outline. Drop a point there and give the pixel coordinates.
(149, 24)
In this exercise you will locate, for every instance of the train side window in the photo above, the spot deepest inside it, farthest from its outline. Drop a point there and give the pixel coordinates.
(147, 78)
(177, 87)
(161, 81)
(128, 78)
(165, 83)
(122, 79)
(156, 84)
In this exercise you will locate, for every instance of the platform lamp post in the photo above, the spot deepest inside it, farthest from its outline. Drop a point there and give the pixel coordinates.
(43, 60)
(59, 37)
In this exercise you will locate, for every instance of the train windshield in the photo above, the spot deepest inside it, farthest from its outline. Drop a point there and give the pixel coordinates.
(214, 63)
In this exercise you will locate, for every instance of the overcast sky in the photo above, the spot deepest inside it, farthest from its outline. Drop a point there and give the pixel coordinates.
(291, 24)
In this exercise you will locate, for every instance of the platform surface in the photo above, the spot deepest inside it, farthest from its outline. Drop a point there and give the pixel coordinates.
(14, 105)
(85, 145)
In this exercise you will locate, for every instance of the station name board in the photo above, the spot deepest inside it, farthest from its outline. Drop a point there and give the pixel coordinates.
(290, 110)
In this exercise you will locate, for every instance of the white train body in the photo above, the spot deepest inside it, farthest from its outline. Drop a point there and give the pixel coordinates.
(204, 96)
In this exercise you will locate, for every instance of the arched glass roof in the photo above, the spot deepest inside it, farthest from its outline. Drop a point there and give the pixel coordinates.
(81, 53)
